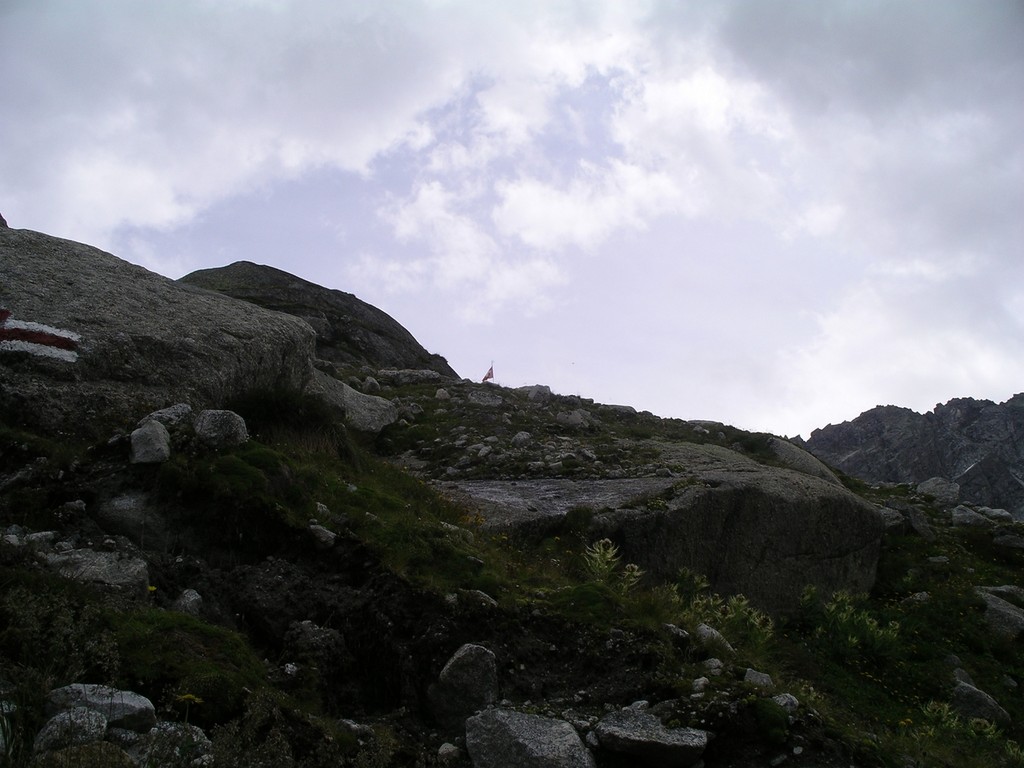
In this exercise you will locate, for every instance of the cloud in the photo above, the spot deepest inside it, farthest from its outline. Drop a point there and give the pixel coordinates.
(193, 102)
(584, 212)
(911, 339)
(463, 258)
(837, 185)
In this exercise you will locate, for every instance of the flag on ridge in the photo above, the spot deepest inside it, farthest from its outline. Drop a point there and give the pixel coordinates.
(489, 374)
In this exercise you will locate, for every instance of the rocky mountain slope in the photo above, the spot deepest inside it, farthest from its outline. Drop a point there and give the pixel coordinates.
(349, 332)
(977, 444)
(215, 557)
(91, 341)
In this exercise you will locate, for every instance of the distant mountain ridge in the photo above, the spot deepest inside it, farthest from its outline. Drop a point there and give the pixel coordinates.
(348, 330)
(977, 444)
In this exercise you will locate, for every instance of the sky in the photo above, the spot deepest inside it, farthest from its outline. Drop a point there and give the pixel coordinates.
(772, 214)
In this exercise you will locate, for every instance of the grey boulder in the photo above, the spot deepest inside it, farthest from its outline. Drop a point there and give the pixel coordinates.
(150, 444)
(501, 738)
(78, 725)
(641, 735)
(468, 683)
(121, 709)
(220, 428)
(115, 570)
(970, 702)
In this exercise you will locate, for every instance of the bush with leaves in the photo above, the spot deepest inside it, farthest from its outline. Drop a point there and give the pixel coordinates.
(603, 564)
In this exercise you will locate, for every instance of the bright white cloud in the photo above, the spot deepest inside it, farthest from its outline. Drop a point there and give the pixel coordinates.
(884, 345)
(857, 163)
(595, 203)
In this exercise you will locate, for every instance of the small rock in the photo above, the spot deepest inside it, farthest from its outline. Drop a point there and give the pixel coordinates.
(448, 753)
(150, 444)
(171, 416)
(787, 701)
(322, 537)
(961, 676)
(1001, 515)
(713, 666)
(221, 429)
(711, 639)
(963, 517)
(758, 679)
(190, 602)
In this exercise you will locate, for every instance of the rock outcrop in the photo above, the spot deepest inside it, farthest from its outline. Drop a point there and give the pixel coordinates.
(140, 341)
(88, 342)
(765, 532)
(760, 530)
(974, 443)
(348, 331)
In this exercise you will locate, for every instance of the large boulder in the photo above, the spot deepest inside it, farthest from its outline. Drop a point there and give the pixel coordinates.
(501, 738)
(766, 532)
(114, 570)
(349, 332)
(1004, 618)
(365, 413)
(970, 702)
(101, 340)
(122, 709)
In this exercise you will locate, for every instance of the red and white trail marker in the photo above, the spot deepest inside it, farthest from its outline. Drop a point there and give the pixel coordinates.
(37, 339)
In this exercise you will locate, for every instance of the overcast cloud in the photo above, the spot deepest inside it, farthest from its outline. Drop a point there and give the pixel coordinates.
(773, 214)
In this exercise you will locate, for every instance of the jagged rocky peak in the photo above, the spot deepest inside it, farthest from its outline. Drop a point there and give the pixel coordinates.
(973, 443)
(348, 330)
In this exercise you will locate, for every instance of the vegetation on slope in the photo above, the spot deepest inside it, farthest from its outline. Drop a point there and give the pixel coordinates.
(873, 671)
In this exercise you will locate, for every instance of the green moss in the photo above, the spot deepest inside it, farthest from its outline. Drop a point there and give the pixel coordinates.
(772, 721)
(165, 655)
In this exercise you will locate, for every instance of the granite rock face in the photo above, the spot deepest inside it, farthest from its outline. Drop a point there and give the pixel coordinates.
(114, 340)
(765, 532)
(975, 444)
(97, 340)
(348, 331)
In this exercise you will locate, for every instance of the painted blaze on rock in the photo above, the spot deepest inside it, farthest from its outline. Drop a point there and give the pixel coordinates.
(37, 338)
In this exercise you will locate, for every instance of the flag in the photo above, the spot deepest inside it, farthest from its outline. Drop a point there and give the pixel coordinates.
(489, 374)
